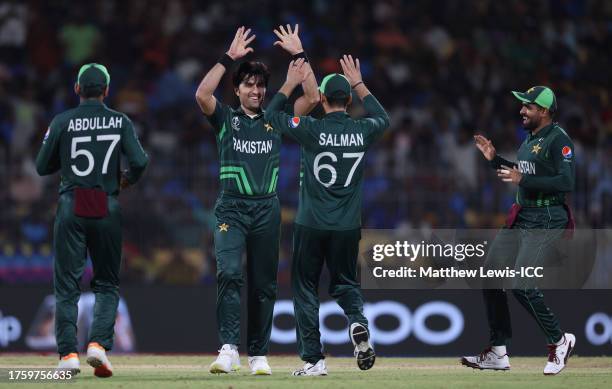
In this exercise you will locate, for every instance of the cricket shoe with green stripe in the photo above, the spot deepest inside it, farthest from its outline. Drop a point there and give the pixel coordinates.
(487, 360)
(259, 365)
(364, 352)
(227, 361)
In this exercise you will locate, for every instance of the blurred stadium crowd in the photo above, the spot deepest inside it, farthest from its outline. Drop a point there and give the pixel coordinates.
(443, 70)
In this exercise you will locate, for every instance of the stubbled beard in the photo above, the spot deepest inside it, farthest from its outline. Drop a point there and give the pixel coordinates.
(530, 125)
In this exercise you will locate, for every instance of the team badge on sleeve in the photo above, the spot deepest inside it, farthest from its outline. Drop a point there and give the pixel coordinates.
(566, 151)
(294, 122)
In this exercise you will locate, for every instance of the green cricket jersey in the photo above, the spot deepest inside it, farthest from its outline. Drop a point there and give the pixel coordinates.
(249, 150)
(331, 162)
(85, 144)
(546, 161)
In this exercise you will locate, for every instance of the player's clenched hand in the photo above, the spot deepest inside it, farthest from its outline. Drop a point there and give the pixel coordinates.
(288, 39)
(485, 146)
(351, 69)
(509, 175)
(297, 72)
(239, 47)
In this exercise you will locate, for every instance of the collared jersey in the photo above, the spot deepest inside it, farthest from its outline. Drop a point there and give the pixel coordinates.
(332, 161)
(249, 150)
(547, 162)
(85, 144)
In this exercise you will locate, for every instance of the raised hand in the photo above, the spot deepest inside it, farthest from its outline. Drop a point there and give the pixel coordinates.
(351, 69)
(239, 47)
(485, 146)
(288, 39)
(297, 72)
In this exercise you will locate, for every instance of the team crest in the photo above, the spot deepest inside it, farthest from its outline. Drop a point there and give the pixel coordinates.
(236, 123)
(566, 151)
(294, 122)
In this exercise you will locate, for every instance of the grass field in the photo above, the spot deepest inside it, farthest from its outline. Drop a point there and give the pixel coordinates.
(182, 371)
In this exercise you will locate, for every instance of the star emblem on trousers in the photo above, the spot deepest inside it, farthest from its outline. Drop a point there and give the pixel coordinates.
(536, 149)
(268, 127)
(223, 227)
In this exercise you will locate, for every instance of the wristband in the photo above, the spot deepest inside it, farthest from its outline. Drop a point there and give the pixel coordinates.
(355, 86)
(301, 54)
(226, 61)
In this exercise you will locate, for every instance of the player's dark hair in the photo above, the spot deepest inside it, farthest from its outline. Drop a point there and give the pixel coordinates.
(249, 69)
(91, 91)
(338, 102)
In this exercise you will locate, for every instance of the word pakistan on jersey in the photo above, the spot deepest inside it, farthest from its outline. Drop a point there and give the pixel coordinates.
(252, 146)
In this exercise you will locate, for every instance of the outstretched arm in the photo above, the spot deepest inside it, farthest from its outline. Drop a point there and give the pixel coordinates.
(379, 119)
(488, 151)
(290, 41)
(296, 74)
(295, 126)
(238, 49)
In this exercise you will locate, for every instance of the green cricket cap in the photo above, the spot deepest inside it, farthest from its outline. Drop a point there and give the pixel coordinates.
(335, 86)
(93, 75)
(540, 95)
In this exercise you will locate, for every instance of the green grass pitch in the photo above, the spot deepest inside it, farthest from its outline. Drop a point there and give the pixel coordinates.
(190, 371)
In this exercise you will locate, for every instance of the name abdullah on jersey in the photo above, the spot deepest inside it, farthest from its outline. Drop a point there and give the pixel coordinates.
(95, 123)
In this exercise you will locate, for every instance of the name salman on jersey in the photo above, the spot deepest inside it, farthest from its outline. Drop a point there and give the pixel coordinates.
(340, 139)
(252, 146)
(526, 167)
(95, 123)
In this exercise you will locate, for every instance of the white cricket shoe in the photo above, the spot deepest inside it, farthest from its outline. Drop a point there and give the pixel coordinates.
(487, 359)
(96, 358)
(558, 354)
(318, 368)
(364, 352)
(259, 365)
(69, 363)
(227, 361)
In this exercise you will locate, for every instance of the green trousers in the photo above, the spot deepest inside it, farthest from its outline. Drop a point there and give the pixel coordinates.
(339, 251)
(252, 225)
(73, 238)
(532, 241)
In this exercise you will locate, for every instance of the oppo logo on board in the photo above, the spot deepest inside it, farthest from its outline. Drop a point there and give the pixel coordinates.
(409, 323)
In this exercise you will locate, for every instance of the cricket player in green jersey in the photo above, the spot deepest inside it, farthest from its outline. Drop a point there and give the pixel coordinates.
(328, 223)
(247, 209)
(545, 172)
(85, 145)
